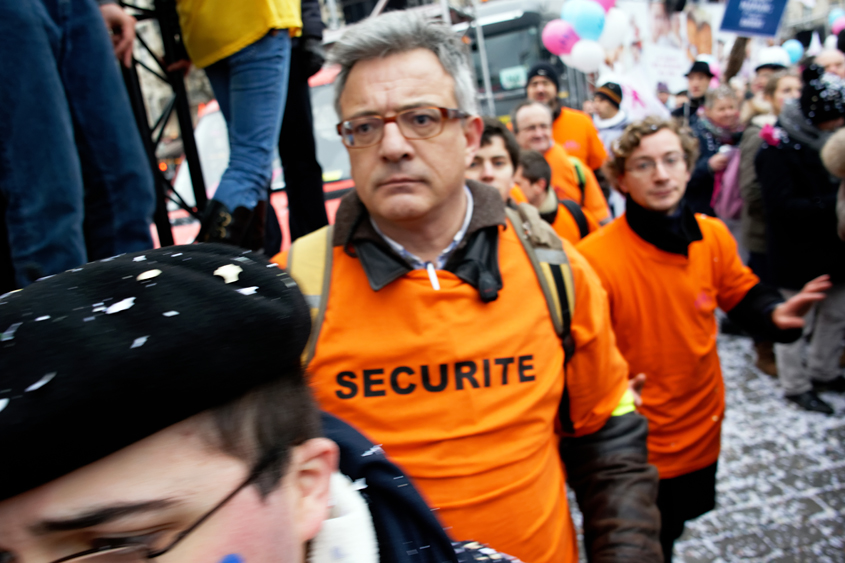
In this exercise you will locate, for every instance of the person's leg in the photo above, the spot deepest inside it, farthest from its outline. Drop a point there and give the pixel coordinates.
(825, 347)
(790, 360)
(683, 498)
(298, 152)
(256, 85)
(671, 523)
(759, 264)
(40, 176)
(119, 190)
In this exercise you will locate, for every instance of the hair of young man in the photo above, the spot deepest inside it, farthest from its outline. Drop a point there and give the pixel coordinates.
(399, 32)
(266, 422)
(534, 167)
(772, 85)
(721, 92)
(632, 136)
(495, 128)
(523, 104)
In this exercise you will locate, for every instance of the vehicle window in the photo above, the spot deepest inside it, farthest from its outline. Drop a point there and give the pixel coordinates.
(330, 150)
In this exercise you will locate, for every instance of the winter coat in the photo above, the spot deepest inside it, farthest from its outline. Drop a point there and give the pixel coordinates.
(700, 187)
(611, 129)
(799, 196)
(753, 220)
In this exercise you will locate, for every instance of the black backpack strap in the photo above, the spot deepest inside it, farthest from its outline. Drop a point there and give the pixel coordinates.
(577, 214)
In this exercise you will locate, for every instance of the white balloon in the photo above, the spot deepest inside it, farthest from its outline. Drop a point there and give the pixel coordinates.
(830, 42)
(615, 28)
(587, 56)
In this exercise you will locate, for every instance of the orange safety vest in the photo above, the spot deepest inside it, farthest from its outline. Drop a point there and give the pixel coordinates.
(566, 181)
(575, 131)
(464, 395)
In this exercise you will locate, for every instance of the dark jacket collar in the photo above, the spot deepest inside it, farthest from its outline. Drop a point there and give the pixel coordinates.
(670, 233)
(475, 260)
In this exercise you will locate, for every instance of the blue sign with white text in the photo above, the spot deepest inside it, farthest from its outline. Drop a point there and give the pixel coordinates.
(753, 17)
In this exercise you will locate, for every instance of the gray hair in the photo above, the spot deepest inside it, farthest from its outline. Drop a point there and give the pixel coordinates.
(721, 92)
(400, 32)
(525, 104)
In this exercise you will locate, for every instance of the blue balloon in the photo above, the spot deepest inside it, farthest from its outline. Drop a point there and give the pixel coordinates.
(794, 49)
(834, 15)
(586, 16)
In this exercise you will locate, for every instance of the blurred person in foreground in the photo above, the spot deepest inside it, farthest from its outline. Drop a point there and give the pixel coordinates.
(429, 300)
(498, 163)
(833, 156)
(245, 50)
(666, 270)
(698, 80)
(532, 126)
(75, 181)
(719, 132)
(781, 87)
(128, 449)
(799, 196)
(572, 129)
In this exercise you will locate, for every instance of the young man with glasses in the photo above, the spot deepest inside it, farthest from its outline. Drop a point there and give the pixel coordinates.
(154, 407)
(433, 334)
(666, 270)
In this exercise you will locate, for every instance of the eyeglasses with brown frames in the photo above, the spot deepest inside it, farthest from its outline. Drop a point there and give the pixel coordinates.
(415, 123)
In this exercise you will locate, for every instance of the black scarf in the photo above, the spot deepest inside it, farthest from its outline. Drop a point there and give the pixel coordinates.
(670, 233)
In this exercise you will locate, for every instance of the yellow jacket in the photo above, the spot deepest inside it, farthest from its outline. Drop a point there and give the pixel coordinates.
(214, 29)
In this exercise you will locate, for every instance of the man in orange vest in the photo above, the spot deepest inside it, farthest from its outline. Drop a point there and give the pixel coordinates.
(433, 335)
(666, 270)
(572, 129)
(534, 178)
(532, 125)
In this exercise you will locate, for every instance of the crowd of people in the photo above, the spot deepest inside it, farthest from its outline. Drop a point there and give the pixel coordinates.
(478, 329)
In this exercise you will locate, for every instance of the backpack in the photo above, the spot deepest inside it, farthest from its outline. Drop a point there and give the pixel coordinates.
(577, 214)
(581, 175)
(310, 264)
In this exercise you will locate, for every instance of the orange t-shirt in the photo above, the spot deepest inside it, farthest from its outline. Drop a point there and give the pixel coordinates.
(566, 227)
(464, 395)
(565, 182)
(576, 132)
(662, 306)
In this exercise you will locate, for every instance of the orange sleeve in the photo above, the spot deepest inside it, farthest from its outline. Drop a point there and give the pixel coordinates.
(597, 375)
(281, 259)
(596, 153)
(594, 200)
(734, 279)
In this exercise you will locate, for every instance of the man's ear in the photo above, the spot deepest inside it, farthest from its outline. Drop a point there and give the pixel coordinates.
(309, 472)
(543, 184)
(473, 128)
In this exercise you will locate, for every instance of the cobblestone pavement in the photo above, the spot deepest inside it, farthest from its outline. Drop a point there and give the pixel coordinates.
(781, 480)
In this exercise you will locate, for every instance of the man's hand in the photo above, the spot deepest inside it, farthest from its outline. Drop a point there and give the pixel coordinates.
(635, 385)
(790, 313)
(718, 162)
(122, 28)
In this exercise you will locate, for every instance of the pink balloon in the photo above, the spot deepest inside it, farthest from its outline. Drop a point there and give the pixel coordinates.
(606, 4)
(559, 37)
(838, 25)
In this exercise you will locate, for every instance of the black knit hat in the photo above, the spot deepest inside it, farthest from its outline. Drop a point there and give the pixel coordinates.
(545, 70)
(823, 95)
(611, 92)
(702, 67)
(99, 357)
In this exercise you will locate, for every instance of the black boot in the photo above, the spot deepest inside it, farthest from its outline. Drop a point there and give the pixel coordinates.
(810, 401)
(243, 227)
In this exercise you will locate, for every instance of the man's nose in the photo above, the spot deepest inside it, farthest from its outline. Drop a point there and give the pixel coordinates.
(394, 146)
(660, 171)
(486, 171)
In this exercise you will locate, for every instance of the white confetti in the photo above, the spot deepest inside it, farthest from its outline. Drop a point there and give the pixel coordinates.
(148, 275)
(177, 254)
(41, 382)
(3, 403)
(248, 290)
(170, 313)
(44, 318)
(229, 272)
(139, 258)
(121, 306)
(139, 342)
(10, 332)
(273, 265)
(86, 319)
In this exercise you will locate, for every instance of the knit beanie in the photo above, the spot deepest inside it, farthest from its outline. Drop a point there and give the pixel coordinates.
(545, 70)
(611, 92)
(823, 95)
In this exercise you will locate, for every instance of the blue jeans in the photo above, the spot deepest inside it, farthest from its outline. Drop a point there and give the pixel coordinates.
(251, 88)
(67, 138)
